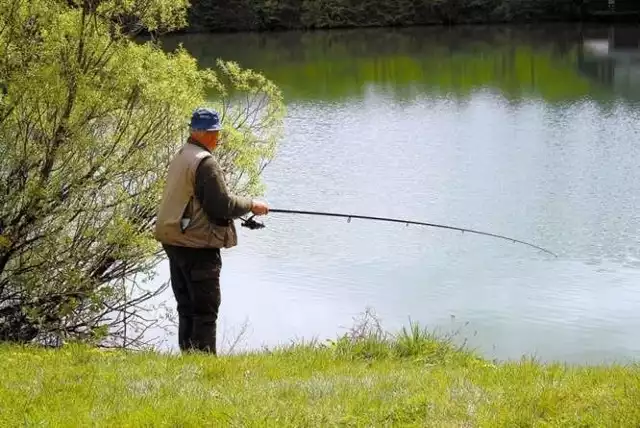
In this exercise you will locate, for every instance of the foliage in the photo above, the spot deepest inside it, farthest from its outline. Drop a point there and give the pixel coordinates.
(368, 341)
(429, 383)
(252, 109)
(88, 124)
(242, 15)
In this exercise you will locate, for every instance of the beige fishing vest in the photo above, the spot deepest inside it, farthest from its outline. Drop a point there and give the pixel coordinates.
(181, 220)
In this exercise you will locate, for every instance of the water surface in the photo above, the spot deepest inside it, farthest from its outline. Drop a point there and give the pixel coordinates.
(530, 133)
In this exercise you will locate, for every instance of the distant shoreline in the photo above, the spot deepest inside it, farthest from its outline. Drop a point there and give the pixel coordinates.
(209, 16)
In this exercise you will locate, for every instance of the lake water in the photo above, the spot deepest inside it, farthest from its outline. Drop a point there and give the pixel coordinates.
(525, 132)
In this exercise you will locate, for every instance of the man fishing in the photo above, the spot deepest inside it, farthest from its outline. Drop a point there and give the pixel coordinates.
(195, 220)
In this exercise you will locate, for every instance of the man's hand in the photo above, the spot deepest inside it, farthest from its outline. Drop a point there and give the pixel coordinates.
(259, 208)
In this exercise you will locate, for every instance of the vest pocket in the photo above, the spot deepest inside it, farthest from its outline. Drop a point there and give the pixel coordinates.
(218, 235)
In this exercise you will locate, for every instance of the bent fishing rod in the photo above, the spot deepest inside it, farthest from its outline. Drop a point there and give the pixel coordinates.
(250, 223)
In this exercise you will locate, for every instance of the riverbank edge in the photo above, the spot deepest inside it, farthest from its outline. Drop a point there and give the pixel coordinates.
(412, 379)
(604, 23)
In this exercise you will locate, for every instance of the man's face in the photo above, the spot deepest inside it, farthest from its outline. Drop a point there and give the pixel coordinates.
(210, 138)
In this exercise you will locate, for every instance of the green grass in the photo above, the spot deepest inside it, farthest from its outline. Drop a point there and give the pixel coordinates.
(364, 379)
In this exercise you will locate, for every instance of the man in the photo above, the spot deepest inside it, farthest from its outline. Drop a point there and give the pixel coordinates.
(195, 220)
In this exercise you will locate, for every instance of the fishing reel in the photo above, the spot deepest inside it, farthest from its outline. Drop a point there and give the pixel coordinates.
(252, 224)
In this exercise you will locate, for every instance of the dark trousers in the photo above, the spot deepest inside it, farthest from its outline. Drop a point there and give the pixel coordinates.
(195, 280)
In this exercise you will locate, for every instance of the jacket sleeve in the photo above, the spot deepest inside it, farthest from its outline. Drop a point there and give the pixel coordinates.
(212, 193)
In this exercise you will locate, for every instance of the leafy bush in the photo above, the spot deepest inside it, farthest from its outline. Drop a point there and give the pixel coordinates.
(89, 120)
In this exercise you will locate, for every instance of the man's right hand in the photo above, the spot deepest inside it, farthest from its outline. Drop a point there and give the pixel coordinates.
(259, 208)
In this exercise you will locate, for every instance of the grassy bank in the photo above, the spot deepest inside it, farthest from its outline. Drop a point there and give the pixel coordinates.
(414, 379)
(247, 15)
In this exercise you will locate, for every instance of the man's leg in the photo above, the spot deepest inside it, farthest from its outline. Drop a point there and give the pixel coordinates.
(204, 291)
(179, 284)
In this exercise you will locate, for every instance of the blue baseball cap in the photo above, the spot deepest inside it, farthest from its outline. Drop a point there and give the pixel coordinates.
(204, 119)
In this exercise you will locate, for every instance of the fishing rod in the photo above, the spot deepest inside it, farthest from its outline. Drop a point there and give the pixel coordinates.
(250, 223)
